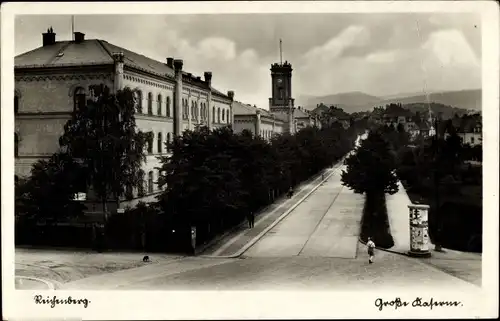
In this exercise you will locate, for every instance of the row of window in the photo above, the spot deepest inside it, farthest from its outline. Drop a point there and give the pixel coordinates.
(80, 100)
(267, 134)
(159, 142)
(159, 104)
(147, 186)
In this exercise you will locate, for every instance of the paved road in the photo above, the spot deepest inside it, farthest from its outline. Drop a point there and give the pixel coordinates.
(297, 273)
(326, 224)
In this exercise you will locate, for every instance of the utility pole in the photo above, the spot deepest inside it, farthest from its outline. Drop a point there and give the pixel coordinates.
(281, 52)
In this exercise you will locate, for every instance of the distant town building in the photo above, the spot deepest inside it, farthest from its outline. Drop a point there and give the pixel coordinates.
(468, 127)
(52, 80)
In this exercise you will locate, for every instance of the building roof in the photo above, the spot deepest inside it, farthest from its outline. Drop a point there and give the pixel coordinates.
(243, 109)
(92, 52)
(469, 124)
(320, 109)
(300, 113)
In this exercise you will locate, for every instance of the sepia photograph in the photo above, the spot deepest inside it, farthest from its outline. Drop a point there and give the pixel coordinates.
(281, 150)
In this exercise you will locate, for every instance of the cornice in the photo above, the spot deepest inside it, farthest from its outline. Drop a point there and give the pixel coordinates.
(64, 77)
(139, 80)
(43, 67)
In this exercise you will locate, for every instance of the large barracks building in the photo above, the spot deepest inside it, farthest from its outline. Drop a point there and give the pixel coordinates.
(52, 80)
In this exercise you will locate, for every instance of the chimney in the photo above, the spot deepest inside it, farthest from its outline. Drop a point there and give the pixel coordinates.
(79, 37)
(208, 78)
(170, 62)
(48, 38)
(198, 78)
(178, 63)
(230, 94)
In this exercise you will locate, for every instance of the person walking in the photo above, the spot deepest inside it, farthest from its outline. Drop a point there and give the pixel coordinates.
(371, 249)
(251, 219)
(290, 192)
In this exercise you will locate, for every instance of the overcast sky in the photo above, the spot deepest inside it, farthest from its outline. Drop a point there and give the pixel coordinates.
(379, 54)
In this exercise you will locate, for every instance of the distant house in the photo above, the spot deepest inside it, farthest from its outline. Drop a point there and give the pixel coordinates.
(395, 115)
(329, 115)
(468, 128)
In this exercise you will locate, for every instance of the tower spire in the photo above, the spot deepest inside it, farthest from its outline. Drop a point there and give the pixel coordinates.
(281, 53)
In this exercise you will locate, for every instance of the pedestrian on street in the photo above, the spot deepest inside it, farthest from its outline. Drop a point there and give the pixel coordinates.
(251, 219)
(290, 192)
(371, 249)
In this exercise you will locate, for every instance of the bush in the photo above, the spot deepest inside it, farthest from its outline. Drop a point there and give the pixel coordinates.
(375, 221)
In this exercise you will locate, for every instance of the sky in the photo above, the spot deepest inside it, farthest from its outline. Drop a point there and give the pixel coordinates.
(378, 54)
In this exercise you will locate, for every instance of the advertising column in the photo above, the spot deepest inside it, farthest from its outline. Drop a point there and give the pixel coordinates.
(419, 231)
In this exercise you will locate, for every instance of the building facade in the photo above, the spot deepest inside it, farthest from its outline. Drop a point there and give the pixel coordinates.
(258, 121)
(52, 80)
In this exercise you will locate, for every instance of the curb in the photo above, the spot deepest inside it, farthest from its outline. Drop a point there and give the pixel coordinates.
(217, 239)
(52, 285)
(279, 219)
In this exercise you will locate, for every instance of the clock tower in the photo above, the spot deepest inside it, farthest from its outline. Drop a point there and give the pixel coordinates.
(281, 101)
(281, 81)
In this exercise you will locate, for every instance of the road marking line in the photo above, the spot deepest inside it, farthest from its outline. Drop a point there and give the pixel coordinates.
(259, 222)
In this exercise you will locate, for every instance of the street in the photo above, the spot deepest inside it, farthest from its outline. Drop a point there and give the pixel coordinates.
(307, 242)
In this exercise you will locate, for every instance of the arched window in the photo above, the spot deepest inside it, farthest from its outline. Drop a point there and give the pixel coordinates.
(150, 182)
(227, 116)
(223, 114)
(213, 114)
(168, 106)
(160, 143)
(79, 98)
(150, 103)
(184, 109)
(158, 111)
(16, 104)
(16, 145)
(168, 138)
(218, 115)
(140, 188)
(150, 144)
(138, 101)
(196, 112)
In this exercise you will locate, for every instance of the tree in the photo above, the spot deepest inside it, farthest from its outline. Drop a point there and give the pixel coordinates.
(49, 192)
(202, 178)
(372, 168)
(104, 137)
(372, 171)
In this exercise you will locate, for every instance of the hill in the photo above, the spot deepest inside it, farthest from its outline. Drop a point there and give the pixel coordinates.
(347, 101)
(358, 102)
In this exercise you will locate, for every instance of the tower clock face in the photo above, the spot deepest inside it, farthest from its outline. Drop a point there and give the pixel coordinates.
(280, 81)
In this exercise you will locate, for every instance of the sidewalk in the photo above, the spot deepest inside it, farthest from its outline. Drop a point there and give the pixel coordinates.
(464, 265)
(234, 243)
(399, 219)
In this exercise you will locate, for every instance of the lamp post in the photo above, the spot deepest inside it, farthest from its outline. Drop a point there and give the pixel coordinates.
(437, 247)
